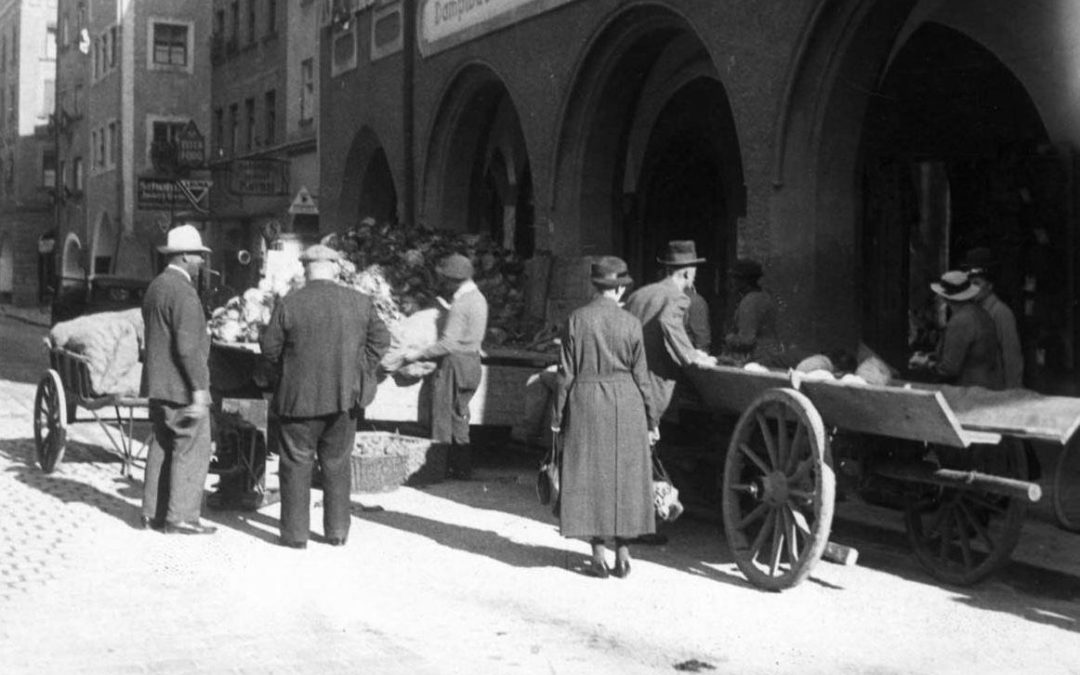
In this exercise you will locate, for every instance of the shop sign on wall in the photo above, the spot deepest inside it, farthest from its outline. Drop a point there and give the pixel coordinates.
(446, 23)
(265, 177)
(164, 194)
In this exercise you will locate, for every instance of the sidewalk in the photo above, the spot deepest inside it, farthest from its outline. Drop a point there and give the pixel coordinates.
(33, 315)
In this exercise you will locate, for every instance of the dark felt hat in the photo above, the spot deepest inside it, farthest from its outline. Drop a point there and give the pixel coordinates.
(455, 266)
(680, 253)
(744, 268)
(610, 272)
(978, 260)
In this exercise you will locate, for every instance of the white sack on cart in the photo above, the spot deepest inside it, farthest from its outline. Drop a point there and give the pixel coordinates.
(111, 343)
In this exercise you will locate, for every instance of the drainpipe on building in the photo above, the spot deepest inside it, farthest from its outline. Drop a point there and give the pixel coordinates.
(408, 81)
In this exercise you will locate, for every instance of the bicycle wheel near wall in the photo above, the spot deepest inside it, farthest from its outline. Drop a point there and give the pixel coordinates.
(778, 490)
(959, 535)
(1066, 489)
(50, 421)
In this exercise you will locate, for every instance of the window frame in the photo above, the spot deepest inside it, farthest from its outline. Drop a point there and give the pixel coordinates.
(189, 45)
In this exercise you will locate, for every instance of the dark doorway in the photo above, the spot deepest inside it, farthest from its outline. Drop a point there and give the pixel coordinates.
(378, 198)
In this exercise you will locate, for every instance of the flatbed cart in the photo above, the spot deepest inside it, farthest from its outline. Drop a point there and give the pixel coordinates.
(65, 388)
(951, 458)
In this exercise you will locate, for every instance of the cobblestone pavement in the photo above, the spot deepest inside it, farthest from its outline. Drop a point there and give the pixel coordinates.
(472, 577)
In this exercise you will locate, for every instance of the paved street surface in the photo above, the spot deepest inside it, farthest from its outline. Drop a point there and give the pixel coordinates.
(469, 577)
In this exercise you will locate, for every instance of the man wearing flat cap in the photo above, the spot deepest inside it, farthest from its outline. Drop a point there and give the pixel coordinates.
(661, 307)
(176, 379)
(461, 331)
(326, 340)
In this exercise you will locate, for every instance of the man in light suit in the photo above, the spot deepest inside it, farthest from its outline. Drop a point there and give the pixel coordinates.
(327, 340)
(176, 379)
(661, 307)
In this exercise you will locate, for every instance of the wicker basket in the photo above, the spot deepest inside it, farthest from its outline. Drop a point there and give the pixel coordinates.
(377, 473)
(421, 459)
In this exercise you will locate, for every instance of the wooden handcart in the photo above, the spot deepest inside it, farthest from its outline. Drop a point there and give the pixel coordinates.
(951, 458)
(65, 388)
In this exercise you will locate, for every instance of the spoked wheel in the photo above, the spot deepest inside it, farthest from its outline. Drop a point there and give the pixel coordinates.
(50, 421)
(961, 536)
(1066, 493)
(778, 490)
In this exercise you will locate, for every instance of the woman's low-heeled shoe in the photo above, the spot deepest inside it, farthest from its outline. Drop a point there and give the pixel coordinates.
(599, 570)
(622, 569)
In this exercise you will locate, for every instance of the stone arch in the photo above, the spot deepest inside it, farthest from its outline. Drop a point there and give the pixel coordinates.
(103, 245)
(72, 265)
(477, 176)
(648, 149)
(368, 189)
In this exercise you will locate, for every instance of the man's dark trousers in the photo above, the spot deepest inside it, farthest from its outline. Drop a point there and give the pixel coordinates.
(176, 465)
(332, 437)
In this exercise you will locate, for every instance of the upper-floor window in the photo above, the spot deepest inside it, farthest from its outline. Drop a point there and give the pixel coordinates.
(48, 98)
(251, 20)
(164, 134)
(170, 44)
(234, 10)
(270, 110)
(48, 167)
(50, 42)
(271, 17)
(77, 174)
(65, 30)
(234, 128)
(219, 131)
(105, 52)
(307, 90)
(249, 116)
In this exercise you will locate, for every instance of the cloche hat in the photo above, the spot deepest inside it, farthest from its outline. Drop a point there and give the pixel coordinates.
(610, 272)
(183, 239)
(680, 253)
(955, 285)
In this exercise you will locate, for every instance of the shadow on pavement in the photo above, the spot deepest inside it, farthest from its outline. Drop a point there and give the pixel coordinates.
(20, 454)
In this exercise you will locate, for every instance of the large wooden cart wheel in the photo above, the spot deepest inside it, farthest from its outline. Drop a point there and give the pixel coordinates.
(50, 421)
(778, 490)
(1066, 490)
(963, 535)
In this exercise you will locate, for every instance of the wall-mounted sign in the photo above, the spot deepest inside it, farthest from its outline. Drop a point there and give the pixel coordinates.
(265, 177)
(164, 194)
(190, 146)
(446, 23)
(304, 204)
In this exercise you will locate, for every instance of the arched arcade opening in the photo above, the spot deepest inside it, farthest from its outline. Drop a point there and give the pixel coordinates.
(368, 188)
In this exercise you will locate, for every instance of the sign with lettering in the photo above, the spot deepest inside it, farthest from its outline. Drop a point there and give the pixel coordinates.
(447, 23)
(190, 146)
(264, 177)
(163, 194)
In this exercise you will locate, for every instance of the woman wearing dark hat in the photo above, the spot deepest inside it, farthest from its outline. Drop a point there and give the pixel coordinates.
(753, 336)
(969, 354)
(605, 414)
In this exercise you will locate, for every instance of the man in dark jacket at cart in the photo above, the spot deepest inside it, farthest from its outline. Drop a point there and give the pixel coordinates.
(176, 379)
(461, 332)
(327, 340)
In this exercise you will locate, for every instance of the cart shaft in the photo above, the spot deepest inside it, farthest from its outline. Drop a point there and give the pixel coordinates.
(956, 478)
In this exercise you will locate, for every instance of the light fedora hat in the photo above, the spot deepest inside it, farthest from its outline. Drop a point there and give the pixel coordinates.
(955, 285)
(183, 239)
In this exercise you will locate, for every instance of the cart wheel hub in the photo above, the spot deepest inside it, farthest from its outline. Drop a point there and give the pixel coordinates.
(775, 487)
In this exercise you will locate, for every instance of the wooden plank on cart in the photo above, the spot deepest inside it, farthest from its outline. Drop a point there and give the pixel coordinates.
(914, 414)
(1019, 413)
(732, 390)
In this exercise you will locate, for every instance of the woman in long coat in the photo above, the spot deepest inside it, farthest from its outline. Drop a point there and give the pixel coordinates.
(607, 420)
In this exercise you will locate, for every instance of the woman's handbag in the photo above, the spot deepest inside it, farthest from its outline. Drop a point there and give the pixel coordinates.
(665, 495)
(547, 478)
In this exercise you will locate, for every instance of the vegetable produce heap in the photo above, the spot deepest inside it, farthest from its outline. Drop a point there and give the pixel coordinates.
(395, 264)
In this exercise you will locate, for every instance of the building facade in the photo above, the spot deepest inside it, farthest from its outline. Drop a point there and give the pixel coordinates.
(264, 131)
(133, 94)
(27, 149)
(856, 148)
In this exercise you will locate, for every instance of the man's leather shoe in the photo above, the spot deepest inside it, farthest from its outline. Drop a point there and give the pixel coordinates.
(148, 523)
(294, 544)
(622, 569)
(189, 528)
(336, 541)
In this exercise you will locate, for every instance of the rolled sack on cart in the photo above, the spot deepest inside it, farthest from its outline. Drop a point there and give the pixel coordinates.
(110, 344)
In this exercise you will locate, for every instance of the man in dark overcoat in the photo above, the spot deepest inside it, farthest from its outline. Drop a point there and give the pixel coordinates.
(176, 380)
(661, 307)
(326, 340)
(461, 333)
